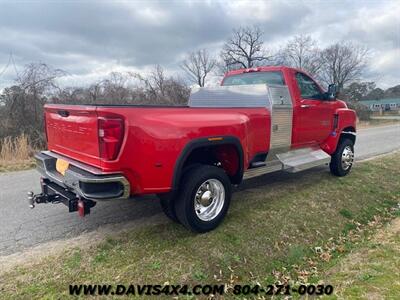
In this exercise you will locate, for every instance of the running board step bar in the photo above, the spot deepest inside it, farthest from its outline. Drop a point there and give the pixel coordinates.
(302, 159)
(292, 161)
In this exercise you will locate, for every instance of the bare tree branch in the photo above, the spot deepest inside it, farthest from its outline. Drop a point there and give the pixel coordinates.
(160, 89)
(244, 49)
(198, 65)
(301, 52)
(23, 102)
(343, 63)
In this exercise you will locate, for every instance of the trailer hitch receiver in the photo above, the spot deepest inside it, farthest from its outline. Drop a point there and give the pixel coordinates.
(53, 193)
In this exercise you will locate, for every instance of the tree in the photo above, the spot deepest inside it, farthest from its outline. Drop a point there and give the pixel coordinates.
(375, 94)
(70, 95)
(39, 78)
(342, 63)
(95, 91)
(393, 92)
(357, 91)
(128, 88)
(244, 49)
(160, 89)
(198, 65)
(115, 87)
(22, 103)
(153, 83)
(301, 52)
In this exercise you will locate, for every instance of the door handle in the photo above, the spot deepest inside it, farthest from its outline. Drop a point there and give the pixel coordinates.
(63, 113)
(305, 105)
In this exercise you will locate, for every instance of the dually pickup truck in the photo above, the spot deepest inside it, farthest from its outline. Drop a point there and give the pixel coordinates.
(260, 120)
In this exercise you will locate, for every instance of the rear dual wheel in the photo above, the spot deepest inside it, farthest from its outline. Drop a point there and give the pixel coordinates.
(203, 199)
(167, 202)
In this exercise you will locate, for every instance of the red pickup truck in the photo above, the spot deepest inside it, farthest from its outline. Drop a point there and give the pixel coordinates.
(259, 120)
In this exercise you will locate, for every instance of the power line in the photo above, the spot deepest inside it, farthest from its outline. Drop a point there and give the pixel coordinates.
(15, 67)
(6, 67)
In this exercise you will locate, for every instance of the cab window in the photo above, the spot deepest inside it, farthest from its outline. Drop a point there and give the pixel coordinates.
(271, 77)
(308, 88)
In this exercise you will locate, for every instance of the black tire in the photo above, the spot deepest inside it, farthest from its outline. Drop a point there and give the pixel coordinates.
(185, 203)
(336, 165)
(167, 203)
(167, 200)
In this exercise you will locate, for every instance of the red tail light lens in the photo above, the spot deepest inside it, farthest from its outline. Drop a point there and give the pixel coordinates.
(111, 133)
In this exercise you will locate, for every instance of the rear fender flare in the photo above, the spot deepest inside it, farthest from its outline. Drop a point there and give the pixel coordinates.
(205, 142)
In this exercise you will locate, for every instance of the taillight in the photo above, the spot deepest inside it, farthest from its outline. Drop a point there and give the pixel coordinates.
(111, 133)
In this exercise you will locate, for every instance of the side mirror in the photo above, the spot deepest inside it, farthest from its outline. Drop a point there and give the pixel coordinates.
(332, 90)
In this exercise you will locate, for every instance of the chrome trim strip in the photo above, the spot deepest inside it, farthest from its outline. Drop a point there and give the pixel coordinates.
(349, 132)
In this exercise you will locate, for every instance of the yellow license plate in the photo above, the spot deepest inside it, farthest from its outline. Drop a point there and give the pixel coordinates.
(61, 166)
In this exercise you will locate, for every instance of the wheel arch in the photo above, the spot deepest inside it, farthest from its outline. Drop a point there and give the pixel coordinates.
(348, 132)
(201, 146)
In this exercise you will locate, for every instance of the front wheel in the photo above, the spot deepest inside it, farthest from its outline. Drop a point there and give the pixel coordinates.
(204, 198)
(343, 158)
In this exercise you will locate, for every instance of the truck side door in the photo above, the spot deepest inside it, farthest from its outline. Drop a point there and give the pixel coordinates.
(312, 115)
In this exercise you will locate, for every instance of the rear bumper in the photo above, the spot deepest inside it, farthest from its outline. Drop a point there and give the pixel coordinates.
(85, 181)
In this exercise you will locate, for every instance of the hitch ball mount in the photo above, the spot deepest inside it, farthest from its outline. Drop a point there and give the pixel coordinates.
(52, 193)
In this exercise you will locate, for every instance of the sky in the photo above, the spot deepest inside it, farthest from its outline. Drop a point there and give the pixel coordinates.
(90, 39)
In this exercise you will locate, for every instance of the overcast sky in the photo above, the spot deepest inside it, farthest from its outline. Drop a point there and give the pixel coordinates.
(89, 39)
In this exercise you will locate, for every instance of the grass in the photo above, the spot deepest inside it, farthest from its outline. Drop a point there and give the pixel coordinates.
(17, 165)
(15, 154)
(372, 270)
(289, 229)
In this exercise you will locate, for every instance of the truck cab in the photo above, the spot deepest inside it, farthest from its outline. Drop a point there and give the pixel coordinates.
(314, 109)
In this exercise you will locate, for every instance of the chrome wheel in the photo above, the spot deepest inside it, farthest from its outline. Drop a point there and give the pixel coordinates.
(347, 158)
(209, 199)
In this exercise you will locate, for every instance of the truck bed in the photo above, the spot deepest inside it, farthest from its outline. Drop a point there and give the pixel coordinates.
(152, 134)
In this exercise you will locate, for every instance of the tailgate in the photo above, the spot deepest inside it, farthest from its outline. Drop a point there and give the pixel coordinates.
(72, 130)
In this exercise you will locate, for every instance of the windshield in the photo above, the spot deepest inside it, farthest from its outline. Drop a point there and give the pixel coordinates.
(255, 78)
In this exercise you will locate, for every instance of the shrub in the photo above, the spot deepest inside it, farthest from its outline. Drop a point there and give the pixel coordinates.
(363, 112)
(15, 148)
